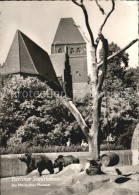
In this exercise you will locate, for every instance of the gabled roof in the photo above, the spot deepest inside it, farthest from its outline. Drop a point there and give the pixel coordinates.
(25, 56)
(68, 33)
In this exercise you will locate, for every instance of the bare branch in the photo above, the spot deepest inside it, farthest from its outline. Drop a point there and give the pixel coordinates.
(77, 3)
(108, 15)
(69, 104)
(88, 25)
(100, 8)
(86, 21)
(103, 74)
(118, 53)
(105, 20)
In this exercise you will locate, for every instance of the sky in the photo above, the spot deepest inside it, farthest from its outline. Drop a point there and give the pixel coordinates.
(39, 21)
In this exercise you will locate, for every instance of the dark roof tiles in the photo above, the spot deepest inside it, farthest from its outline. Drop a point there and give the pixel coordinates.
(25, 56)
(68, 33)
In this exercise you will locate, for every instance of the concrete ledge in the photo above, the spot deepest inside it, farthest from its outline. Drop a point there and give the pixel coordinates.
(135, 157)
(11, 166)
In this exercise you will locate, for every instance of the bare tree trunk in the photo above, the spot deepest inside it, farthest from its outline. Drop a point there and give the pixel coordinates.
(93, 141)
(92, 134)
(93, 146)
(94, 130)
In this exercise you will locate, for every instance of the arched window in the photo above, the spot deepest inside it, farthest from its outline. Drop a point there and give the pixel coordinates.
(78, 50)
(59, 50)
(71, 51)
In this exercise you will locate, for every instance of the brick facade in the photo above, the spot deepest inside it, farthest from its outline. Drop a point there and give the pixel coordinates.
(69, 40)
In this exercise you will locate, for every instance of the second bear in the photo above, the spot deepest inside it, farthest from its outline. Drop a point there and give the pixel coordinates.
(63, 161)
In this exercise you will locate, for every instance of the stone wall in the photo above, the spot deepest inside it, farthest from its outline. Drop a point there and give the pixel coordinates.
(135, 145)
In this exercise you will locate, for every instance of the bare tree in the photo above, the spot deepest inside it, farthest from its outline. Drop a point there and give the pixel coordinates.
(97, 80)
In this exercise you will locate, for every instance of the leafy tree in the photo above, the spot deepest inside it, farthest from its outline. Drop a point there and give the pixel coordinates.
(116, 69)
(120, 117)
(31, 112)
(131, 78)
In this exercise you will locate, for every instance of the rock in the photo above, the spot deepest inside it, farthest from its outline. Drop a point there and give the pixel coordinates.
(72, 181)
(135, 177)
(94, 184)
(105, 189)
(33, 173)
(66, 190)
(80, 188)
(71, 169)
(122, 191)
(129, 168)
(109, 170)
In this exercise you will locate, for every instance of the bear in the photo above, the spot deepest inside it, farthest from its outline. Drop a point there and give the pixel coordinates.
(63, 161)
(33, 162)
(93, 167)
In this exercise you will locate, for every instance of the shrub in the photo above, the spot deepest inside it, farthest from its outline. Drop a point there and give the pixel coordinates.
(23, 148)
(111, 146)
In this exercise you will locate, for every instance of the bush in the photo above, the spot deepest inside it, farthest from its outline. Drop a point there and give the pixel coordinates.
(23, 148)
(111, 146)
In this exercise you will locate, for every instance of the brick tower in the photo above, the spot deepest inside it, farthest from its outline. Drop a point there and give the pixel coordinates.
(68, 39)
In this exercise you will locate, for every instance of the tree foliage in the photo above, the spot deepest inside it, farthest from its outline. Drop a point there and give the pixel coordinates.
(116, 69)
(32, 112)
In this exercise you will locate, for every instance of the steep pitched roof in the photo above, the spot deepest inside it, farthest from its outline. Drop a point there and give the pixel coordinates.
(25, 56)
(67, 32)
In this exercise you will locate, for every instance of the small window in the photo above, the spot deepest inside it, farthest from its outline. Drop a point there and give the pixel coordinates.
(71, 51)
(78, 50)
(59, 50)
